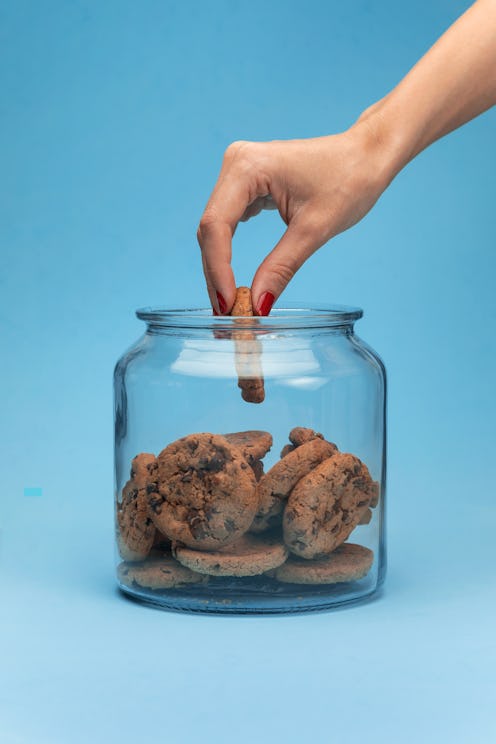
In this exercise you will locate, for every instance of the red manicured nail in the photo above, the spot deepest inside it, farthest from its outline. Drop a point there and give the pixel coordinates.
(214, 311)
(265, 303)
(222, 303)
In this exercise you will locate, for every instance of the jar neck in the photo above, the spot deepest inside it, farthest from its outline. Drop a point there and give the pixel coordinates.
(229, 332)
(282, 321)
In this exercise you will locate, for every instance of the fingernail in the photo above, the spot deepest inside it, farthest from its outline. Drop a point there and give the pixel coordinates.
(214, 311)
(265, 303)
(222, 303)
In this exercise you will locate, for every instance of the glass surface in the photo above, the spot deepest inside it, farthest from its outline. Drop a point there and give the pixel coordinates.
(181, 378)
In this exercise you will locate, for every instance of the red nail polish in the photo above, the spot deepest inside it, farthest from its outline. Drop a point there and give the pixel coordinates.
(214, 311)
(222, 303)
(265, 303)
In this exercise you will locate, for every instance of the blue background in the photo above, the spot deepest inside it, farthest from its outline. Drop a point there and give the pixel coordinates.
(114, 117)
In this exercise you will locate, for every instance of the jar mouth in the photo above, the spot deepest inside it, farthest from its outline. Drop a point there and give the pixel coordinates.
(296, 316)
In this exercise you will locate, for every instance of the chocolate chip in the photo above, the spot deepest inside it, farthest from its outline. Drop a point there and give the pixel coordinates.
(211, 464)
(155, 502)
(197, 526)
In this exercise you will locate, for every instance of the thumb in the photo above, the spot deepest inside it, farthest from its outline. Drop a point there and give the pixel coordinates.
(279, 267)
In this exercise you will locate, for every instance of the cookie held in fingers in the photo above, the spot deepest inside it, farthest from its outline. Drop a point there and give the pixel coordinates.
(349, 562)
(248, 556)
(158, 573)
(204, 492)
(247, 349)
(275, 486)
(135, 528)
(326, 505)
(242, 306)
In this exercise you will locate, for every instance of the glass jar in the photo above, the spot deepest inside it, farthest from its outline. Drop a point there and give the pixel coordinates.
(217, 510)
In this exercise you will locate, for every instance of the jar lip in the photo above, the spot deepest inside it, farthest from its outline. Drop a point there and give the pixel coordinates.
(298, 315)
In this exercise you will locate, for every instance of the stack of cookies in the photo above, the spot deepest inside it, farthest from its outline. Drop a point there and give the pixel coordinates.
(205, 507)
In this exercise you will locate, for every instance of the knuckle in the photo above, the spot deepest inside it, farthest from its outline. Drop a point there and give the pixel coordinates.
(234, 149)
(249, 159)
(315, 226)
(207, 224)
(282, 272)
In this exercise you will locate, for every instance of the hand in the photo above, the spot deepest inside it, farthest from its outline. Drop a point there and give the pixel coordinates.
(323, 186)
(320, 186)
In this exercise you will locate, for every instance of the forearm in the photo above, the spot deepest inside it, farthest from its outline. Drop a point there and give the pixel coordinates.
(454, 82)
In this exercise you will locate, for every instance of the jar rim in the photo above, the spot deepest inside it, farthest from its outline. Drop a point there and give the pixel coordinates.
(298, 315)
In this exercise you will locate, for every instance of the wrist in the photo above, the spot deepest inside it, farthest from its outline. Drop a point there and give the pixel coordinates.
(387, 140)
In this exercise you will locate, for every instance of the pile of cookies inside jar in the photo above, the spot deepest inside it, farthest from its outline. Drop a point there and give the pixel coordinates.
(205, 510)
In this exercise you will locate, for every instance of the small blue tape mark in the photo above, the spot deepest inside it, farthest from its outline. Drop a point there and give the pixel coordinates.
(33, 492)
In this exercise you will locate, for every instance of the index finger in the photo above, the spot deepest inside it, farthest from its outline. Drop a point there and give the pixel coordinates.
(234, 191)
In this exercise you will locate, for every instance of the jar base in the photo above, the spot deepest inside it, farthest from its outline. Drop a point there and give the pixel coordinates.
(292, 600)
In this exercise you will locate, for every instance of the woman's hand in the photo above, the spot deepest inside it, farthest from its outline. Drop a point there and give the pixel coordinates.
(320, 186)
(323, 186)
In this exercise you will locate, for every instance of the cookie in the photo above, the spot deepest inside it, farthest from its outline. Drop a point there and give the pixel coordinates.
(160, 541)
(326, 505)
(258, 468)
(253, 444)
(349, 562)
(242, 303)
(375, 497)
(276, 484)
(140, 472)
(136, 530)
(366, 517)
(247, 350)
(157, 573)
(248, 556)
(204, 494)
(300, 435)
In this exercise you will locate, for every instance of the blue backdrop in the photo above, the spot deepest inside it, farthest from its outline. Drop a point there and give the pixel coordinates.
(114, 117)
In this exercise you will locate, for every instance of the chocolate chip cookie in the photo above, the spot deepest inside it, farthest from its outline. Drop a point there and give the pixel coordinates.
(258, 468)
(248, 556)
(287, 449)
(298, 436)
(140, 469)
(326, 505)
(275, 486)
(158, 573)
(349, 562)
(242, 303)
(247, 349)
(204, 492)
(253, 444)
(136, 531)
(366, 517)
